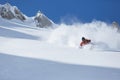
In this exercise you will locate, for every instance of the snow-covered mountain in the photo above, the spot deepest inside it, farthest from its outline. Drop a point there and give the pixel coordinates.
(24, 40)
(42, 21)
(33, 53)
(12, 12)
(28, 52)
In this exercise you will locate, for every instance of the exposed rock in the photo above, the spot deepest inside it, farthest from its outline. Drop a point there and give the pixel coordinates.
(10, 12)
(116, 26)
(42, 21)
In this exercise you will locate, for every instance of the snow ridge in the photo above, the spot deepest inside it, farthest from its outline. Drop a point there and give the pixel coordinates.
(12, 12)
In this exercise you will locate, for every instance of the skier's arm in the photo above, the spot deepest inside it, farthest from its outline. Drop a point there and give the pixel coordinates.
(81, 44)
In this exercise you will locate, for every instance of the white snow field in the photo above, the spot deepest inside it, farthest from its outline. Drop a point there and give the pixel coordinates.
(29, 52)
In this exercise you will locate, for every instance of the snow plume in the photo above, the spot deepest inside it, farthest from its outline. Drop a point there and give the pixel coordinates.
(102, 35)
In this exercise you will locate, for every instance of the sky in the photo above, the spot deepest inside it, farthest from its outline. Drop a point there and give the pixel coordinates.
(82, 10)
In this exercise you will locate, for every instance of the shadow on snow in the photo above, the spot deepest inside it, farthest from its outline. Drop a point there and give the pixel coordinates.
(15, 34)
(21, 68)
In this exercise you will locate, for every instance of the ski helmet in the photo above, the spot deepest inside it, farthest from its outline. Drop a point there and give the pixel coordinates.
(83, 38)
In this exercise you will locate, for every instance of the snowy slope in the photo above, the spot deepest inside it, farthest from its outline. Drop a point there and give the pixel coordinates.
(29, 52)
(22, 68)
(61, 44)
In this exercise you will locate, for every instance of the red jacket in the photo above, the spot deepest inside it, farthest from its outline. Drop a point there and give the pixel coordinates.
(86, 41)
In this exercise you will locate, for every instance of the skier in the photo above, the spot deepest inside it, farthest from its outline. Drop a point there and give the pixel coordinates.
(84, 41)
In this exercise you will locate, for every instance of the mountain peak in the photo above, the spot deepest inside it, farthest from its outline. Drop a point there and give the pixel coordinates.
(10, 12)
(7, 4)
(39, 13)
(41, 20)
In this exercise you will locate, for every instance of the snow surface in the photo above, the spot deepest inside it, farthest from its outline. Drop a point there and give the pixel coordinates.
(22, 68)
(59, 46)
